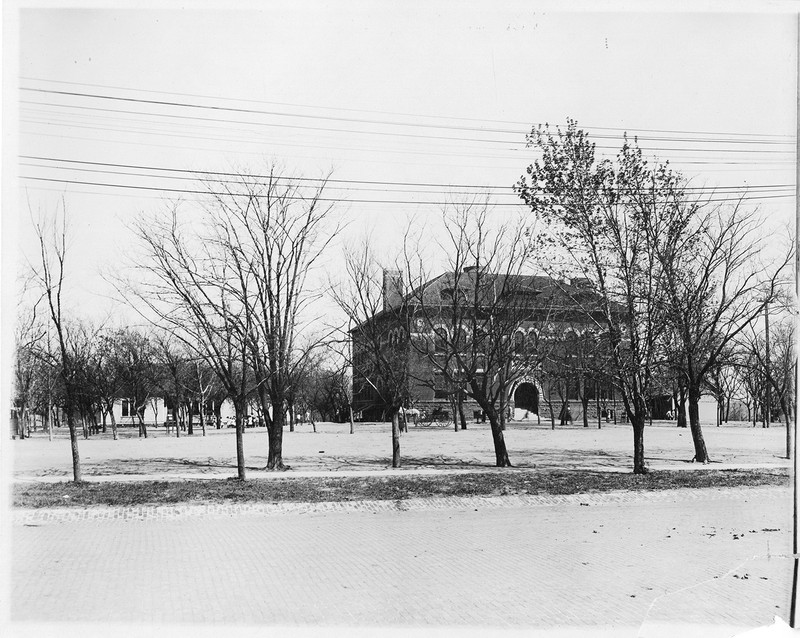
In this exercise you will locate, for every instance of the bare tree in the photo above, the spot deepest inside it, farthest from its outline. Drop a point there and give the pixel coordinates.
(780, 374)
(108, 370)
(83, 337)
(137, 353)
(380, 355)
(273, 231)
(50, 274)
(184, 287)
(462, 323)
(238, 277)
(29, 338)
(716, 284)
(171, 358)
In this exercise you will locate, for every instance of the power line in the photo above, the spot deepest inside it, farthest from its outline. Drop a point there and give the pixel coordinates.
(325, 129)
(325, 199)
(249, 140)
(263, 176)
(789, 138)
(381, 149)
(760, 164)
(261, 154)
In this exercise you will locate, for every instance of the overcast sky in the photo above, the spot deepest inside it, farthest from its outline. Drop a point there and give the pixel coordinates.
(435, 93)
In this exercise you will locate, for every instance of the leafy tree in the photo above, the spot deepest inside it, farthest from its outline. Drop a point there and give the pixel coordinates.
(598, 232)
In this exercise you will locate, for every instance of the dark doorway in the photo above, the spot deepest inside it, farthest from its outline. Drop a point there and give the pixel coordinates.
(526, 397)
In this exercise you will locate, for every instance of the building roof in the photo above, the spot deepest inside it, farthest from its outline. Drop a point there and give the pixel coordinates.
(542, 291)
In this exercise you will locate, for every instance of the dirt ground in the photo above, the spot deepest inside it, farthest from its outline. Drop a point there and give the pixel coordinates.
(333, 449)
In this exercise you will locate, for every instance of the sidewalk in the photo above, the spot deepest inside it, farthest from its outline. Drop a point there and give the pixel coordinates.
(584, 565)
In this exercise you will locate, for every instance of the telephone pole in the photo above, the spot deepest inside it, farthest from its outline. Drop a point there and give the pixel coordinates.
(795, 465)
(768, 398)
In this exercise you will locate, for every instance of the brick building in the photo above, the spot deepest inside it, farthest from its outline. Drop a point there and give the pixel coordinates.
(553, 362)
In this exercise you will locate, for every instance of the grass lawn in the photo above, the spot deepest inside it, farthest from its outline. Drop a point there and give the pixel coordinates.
(315, 489)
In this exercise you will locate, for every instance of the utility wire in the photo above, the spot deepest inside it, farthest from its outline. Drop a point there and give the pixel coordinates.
(326, 199)
(263, 176)
(789, 138)
(249, 140)
(319, 128)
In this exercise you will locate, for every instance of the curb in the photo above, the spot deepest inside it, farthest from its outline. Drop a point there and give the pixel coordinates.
(144, 513)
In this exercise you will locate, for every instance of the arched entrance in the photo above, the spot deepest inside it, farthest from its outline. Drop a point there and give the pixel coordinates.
(526, 397)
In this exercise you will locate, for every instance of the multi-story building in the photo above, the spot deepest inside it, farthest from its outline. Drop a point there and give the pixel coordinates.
(541, 338)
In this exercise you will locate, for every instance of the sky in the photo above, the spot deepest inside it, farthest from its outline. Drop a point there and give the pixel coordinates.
(406, 103)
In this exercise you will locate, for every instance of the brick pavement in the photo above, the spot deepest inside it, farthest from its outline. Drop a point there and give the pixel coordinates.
(637, 564)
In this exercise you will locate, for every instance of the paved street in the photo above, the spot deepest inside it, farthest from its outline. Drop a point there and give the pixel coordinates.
(635, 564)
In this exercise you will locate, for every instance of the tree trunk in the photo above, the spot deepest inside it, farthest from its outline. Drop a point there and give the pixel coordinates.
(562, 417)
(239, 407)
(461, 410)
(202, 419)
(352, 424)
(291, 417)
(639, 466)
(73, 442)
(18, 426)
(787, 417)
(190, 419)
(114, 434)
(275, 437)
(585, 402)
(105, 420)
(502, 415)
(597, 405)
(682, 408)
(142, 426)
(454, 409)
(700, 453)
(500, 451)
(395, 438)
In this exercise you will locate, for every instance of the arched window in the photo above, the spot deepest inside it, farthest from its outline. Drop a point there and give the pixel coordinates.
(462, 341)
(519, 342)
(531, 340)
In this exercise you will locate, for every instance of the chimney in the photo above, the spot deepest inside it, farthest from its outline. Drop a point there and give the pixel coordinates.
(392, 288)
